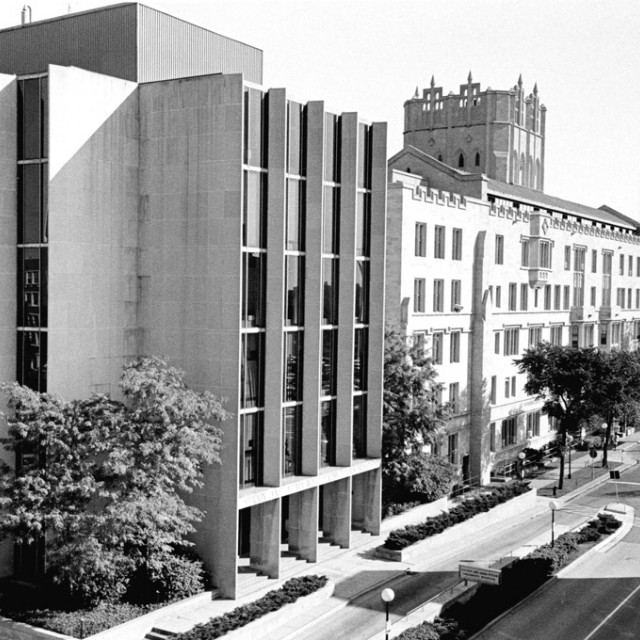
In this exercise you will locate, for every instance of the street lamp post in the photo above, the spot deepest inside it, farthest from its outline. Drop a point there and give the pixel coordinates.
(554, 505)
(522, 455)
(569, 441)
(387, 596)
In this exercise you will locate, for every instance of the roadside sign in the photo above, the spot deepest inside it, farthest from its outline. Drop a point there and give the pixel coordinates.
(593, 453)
(480, 572)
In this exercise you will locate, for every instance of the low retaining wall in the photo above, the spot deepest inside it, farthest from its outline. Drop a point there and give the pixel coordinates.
(277, 619)
(12, 630)
(468, 527)
(416, 515)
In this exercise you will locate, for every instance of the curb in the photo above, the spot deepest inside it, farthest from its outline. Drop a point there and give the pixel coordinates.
(616, 534)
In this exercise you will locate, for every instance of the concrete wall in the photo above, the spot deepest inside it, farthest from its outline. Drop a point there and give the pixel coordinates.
(190, 238)
(93, 230)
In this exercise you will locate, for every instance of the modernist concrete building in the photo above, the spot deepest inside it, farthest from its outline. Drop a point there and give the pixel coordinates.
(482, 264)
(155, 199)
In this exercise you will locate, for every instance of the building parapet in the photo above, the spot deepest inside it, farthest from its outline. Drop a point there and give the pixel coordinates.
(437, 196)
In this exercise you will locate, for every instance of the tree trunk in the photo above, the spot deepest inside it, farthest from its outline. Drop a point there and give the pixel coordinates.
(563, 444)
(605, 446)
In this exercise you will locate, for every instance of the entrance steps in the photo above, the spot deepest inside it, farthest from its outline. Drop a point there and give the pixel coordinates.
(249, 579)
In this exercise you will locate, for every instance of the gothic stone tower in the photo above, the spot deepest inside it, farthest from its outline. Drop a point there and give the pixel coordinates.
(499, 133)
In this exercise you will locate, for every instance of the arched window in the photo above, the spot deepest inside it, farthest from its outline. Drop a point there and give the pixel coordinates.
(477, 160)
(461, 161)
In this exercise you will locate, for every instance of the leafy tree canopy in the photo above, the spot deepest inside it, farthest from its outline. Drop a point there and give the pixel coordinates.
(103, 480)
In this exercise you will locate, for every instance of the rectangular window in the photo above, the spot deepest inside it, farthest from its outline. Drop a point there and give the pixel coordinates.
(638, 267)
(629, 300)
(452, 448)
(533, 424)
(557, 295)
(492, 437)
(637, 298)
(496, 342)
(328, 433)
(360, 426)
(524, 253)
(438, 242)
(592, 300)
(507, 387)
(545, 254)
(253, 223)
(567, 258)
(418, 295)
(456, 249)
(620, 297)
(594, 261)
(362, 292)
(291, 441)
(255, 129)
(498, 297)
(250, 449)
(294, 291)
(293, 356)
(556, 335)
(252, 370)
(330, 220)
(535, 336)
(363, 224)
(499, 249)
(589, 340)
(438, 295)
(295, 215)
(547, 297)
(297, 138)
(567, 297)
(329, 359)
(493, 392)
(513, 293)
(454, 347)
(616, 332)
(524, 297)
(630, 265)
(456, 286)
(330, 290)
(509, 432)
(512, 341)
(332, 148)
(421, 239)
(513, 386)
(621, 264)
(454, 397)
(436, 347)
(607, 259)
(253, 289)
(360, 360)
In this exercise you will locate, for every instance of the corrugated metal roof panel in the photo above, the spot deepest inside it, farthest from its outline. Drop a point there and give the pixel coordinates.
(129, 41)
(172, 48)
(103, 40)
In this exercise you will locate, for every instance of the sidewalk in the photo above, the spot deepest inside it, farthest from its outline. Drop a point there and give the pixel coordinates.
(357, 571)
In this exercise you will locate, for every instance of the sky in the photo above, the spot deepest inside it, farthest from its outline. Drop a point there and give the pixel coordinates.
(370, 55)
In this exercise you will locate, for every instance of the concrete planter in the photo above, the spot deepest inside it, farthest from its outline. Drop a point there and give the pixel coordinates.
(463, 529)
(12, 630)
(417, 514)
(278, 619)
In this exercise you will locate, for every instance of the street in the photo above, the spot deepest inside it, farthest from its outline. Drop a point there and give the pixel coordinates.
(598, 599)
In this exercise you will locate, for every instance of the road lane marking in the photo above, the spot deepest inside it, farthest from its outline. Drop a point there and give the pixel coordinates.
(613, 613)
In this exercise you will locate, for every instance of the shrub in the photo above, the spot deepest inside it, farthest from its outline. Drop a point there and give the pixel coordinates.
(240, 616)
(405, 537)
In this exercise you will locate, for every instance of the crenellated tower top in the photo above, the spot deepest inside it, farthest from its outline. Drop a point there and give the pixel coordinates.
(496, 132)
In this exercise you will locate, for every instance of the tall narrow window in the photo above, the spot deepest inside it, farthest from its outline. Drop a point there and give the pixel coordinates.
(436, 347)
(454, 397)
(360, 349)
(328, 433)
(454, 347)
(499, 249)
(421, 239)
(567, 258)
(418, 295)
(513, 293)
(456, 248)
(524, 296)
(438, 242)
(292, 441)
(438, 295)
(456, 295)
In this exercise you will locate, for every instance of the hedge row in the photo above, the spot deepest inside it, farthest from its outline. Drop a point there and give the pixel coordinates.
(240, 616)
(518, 580)
(405, 537)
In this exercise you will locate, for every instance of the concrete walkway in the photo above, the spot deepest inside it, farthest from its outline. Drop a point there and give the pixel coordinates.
(357, 571)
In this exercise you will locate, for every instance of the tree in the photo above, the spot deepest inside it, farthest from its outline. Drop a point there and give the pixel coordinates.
(615, 391)
(106, 483)
(412, 416)
(563, 377)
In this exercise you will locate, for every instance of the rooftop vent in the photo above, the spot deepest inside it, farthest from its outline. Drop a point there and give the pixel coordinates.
(25, 14)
